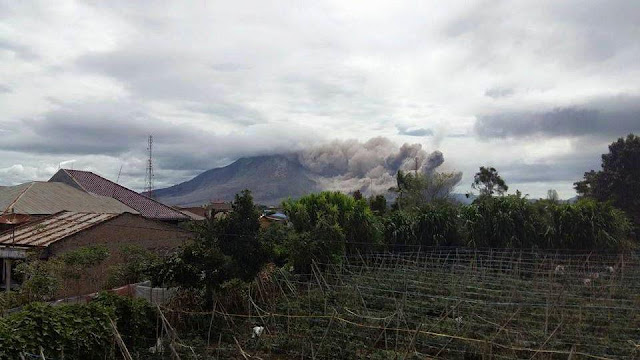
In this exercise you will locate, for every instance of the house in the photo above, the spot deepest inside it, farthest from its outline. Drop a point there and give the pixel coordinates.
(95, 184)
(38, 199)
(218, 208)
(55, 234)
(196, 213)
(267, 219)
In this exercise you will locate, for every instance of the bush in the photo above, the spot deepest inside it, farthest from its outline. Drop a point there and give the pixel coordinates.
(135, 267)
(76, 331)
(510, 221)
(327, 224)
(588, 224)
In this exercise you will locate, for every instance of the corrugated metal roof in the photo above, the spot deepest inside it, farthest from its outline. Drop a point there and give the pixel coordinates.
(53, 228)
(147, 207)
(45, 198)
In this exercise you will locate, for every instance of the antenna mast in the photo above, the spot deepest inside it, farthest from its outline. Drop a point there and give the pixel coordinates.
(148, 186)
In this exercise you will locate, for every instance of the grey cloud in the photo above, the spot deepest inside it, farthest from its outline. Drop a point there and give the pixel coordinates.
(402, 130)
(499, 92)
(121, 129)
(603, 117)
(235, 113)
(18, 49)
(229, 67)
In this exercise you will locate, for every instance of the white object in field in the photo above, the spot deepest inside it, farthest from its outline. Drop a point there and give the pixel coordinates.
(158, 349)
(586, 281)
(559, 269)
(459, 320)
(257, 331)
(611, 269)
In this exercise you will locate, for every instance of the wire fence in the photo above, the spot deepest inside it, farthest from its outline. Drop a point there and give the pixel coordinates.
(433, 303)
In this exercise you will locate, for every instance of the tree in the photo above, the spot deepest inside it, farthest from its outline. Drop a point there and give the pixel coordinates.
(488, 182)
(238, 237)
(224, 249)
(378, 204)
(619, 179)
(417, 190)
(552, 195)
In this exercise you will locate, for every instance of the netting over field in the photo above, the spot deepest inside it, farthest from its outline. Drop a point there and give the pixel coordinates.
(438, 303)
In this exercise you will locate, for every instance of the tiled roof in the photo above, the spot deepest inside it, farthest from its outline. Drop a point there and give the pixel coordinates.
(53, 228)
(147, 207)
(45, 198)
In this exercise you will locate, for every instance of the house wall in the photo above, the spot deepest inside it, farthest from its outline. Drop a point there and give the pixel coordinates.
(126, 229)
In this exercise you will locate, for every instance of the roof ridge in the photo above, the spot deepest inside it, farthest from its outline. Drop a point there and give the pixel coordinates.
(18, 198)
(129, 190)
(74, 180)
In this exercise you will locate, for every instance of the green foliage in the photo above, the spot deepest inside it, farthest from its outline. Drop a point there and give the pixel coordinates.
(76, 331)
(514, 221)
(135, 267)
(509, 221)
(225, 248)
(238, 237)
(277, 239)
(417, 190)
(39, 280)
(488, 182)
(134, 318)
(76, 262)
(588, 224)
(438, 225)
(326, 224)
(378, 205)
(431, 225)
(619, 179)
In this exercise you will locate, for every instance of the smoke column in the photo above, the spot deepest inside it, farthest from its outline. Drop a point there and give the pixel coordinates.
(370, 166)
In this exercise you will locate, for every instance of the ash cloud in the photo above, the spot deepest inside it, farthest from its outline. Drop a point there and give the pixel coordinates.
(369, 166)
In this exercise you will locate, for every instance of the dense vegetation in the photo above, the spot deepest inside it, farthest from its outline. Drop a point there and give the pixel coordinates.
(319, 266)
(619, 180)
(77, 331)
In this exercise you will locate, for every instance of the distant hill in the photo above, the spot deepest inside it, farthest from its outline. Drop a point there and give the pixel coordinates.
(271, 179)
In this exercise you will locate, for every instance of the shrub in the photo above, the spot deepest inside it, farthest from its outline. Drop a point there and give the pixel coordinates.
(509, 221)
(587, 224)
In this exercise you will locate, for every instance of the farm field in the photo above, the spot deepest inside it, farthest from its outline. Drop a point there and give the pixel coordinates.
(433, 303)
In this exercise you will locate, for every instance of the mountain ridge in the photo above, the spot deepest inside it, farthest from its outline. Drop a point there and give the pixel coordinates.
(271, 178)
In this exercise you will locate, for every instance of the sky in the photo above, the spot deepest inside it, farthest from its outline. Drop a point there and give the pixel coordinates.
(536, 89)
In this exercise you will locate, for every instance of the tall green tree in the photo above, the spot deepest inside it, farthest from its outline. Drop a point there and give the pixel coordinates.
(488, 182)
(619, 179)
(419, 189)
(378, 204)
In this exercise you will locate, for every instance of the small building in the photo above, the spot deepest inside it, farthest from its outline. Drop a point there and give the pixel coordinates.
(38, 199)
(267, 219)
(196, 213)
(218, 208)
(96, 184)
(67, 230)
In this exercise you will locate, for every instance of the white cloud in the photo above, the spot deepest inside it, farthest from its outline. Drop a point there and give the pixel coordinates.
(218, 80)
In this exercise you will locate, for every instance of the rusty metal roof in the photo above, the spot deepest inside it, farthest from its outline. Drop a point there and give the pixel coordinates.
(147, 207)
(45, 198)
(53, 228)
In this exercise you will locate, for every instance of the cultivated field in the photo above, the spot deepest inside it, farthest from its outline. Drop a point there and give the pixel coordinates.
(434, 303)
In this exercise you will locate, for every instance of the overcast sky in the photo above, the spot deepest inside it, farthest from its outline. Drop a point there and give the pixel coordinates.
(537, 89)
